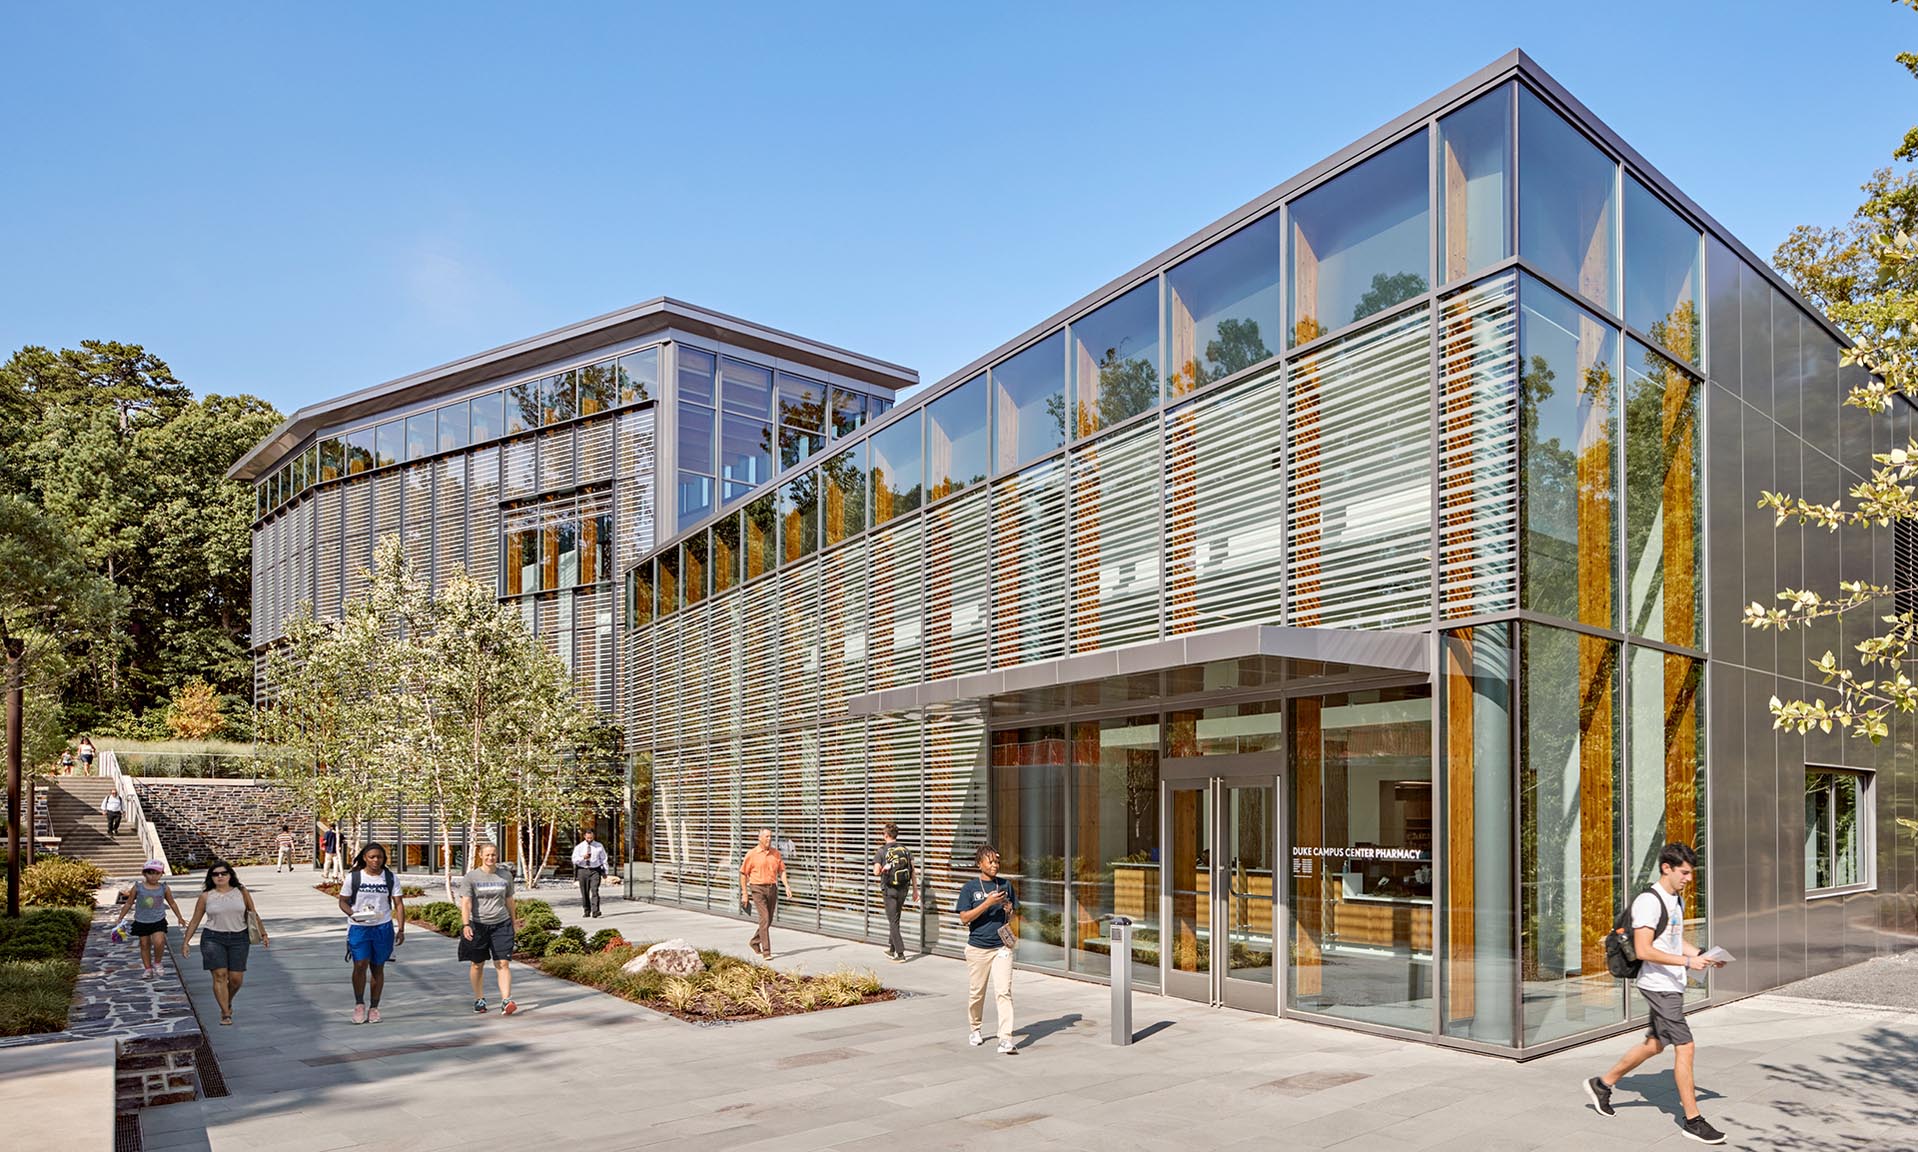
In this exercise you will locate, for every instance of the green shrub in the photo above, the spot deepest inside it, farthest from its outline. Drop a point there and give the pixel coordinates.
(576, 934)
(541, 918)
(42, 934)
(564, 966)
(598, 941)
(58, 881)
(564, 946)
(532, 942)
(34, 995)
(527, 905)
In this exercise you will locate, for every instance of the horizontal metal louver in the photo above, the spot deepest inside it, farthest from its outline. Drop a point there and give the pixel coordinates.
(759, 689)
(1116, 490)
(844, 830)
(958, 586)
(449, 529)
(843, 620)
(956, 818)
(1029, 613)
(1225, 545)
(386, 505)
(558, 459)
(482, 517)
(327, 551)
(1478, 451)
(799, 644)
(519, 476)
(1360, 524)
(896, 623)
(596, 451)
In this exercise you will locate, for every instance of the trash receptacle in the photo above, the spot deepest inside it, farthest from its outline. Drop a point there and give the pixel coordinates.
(1121, 941)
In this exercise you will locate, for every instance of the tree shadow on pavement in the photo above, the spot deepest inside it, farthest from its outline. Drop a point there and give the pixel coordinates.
(1874, 1081)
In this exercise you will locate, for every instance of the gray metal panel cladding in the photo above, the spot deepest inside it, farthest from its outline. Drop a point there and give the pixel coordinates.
(1725, 527)
(1760, 845)
(1761, 542)
(1727, 831)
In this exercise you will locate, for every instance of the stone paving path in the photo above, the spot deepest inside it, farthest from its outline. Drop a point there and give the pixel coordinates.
(598, 1073)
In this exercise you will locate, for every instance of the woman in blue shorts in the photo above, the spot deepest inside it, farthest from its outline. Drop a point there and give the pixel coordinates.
(370, 897)
(225, 905)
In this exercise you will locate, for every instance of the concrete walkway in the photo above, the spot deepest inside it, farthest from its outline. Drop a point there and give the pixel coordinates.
(58, 1095)
(596, 1072)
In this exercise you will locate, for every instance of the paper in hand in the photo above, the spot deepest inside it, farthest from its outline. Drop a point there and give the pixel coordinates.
(1720, 955)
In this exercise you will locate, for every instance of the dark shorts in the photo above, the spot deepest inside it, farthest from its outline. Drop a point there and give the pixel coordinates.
(489, 942)
(149, 927)
(224, 950)
(1668, 1017)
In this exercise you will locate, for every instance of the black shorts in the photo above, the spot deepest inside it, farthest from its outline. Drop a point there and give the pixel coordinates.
(148, 927)
(489, 942)
(1668, 1017)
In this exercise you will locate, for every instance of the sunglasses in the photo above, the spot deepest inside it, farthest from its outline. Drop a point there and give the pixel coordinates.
(221, 872)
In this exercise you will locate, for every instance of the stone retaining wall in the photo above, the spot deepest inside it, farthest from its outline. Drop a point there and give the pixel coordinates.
(236, 820)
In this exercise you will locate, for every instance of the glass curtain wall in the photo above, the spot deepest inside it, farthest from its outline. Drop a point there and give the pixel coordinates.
(1115, 853)
(1362, 850)
(1568, 414)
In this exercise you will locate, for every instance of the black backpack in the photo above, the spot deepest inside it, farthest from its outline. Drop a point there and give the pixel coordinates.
(1621, 944)
(897, 867)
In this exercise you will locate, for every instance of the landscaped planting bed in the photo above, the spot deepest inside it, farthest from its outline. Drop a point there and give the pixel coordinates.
(731, 989)
(39, 963)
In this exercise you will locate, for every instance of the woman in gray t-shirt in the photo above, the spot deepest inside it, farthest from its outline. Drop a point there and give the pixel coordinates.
(487, 913)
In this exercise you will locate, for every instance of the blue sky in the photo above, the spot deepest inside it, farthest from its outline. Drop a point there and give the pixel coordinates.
(297, 201)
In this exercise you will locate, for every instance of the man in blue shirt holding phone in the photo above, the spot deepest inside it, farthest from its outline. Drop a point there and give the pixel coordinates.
(987, 907)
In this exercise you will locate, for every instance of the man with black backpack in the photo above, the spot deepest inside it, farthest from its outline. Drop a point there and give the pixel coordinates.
(893, 866)
(1648, 942)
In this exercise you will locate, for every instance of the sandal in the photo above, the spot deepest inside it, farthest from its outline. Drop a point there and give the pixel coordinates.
(226, 1019)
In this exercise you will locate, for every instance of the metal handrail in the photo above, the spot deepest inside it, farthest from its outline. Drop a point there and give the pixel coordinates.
(130, 800)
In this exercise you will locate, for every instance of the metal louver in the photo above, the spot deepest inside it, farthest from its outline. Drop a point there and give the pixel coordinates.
(1361, 517)
(1478, 450)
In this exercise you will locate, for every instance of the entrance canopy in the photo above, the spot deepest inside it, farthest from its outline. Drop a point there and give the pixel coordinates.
(1242, 656)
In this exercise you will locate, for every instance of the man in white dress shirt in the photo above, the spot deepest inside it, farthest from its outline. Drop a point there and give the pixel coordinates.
(589, 868)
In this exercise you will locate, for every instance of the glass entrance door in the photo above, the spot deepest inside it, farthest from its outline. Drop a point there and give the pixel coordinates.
(1221, 891)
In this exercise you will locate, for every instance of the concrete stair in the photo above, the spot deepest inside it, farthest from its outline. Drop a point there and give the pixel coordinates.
(73, 802)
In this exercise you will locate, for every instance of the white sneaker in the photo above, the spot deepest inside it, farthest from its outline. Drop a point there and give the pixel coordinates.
(1008, 1048)
(975, 1039)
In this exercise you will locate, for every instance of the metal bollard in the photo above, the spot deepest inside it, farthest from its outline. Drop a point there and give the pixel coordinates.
(1121, 980)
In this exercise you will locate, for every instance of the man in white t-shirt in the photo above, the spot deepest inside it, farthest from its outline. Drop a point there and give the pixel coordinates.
(1658, 938)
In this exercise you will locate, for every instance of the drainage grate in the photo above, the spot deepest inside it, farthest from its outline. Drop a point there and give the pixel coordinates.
(211, 1082)
(126, 1132)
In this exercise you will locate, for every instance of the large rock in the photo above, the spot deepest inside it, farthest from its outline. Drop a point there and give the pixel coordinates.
(672, 957)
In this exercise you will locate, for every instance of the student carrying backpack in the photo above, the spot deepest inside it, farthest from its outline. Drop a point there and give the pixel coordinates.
(371, 899)
(893, 865)
(1647, 945)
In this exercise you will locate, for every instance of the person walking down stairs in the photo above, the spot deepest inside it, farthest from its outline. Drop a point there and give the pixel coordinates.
(115, 809)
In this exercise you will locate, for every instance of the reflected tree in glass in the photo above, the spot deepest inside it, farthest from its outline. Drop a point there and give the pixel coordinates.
(1567, 435)
(1222, 305)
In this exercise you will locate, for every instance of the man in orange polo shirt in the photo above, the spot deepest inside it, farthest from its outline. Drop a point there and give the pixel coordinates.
(760, 875)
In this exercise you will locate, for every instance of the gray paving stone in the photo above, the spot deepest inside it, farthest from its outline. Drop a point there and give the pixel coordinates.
(581, 1068)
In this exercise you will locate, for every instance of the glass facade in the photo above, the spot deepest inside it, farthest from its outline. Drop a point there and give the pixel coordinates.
(1360, 241)
(1523, 401)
